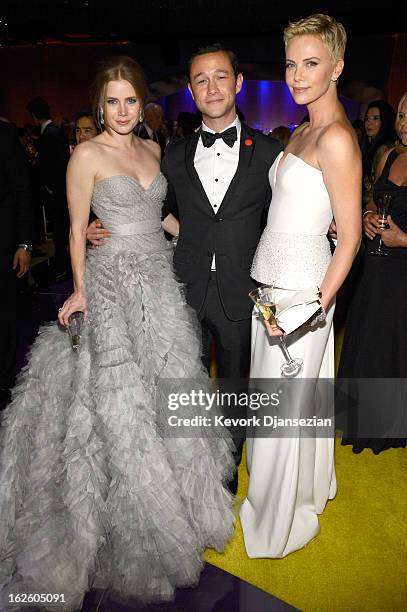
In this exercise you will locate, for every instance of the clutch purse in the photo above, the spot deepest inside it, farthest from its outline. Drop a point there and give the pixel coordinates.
(297, 308)
(74, 328)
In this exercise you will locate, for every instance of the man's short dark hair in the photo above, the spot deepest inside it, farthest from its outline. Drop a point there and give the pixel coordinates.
(214, 48)
(39, 108)
(83, 113)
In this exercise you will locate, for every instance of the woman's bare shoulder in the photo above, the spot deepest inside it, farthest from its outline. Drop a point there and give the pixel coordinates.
(88, 150)
(95, 151)
(338, 136)
(85, 159)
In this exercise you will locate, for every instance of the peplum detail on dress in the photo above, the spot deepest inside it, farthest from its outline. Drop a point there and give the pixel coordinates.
(291, 261)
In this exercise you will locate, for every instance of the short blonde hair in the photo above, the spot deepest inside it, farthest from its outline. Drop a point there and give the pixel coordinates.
(397, 123)
(116, 68)
(327, 28)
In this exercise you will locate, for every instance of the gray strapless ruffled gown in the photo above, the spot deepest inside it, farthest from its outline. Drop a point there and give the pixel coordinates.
(90, 494)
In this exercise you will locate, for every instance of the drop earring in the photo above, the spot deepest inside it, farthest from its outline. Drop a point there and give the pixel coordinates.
(141, 117)
(101, 116)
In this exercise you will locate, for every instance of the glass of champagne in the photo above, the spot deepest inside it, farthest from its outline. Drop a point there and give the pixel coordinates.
(383, 206)
(264, 300)
(74, 327)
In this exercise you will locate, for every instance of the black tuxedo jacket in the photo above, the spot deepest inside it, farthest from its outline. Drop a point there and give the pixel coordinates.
(232, 233)
(16, 204)
(53, 158)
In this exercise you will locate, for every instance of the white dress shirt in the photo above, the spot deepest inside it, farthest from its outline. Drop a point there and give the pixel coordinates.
(216, 167)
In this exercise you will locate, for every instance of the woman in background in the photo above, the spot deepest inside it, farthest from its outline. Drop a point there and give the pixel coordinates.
(375, 343)
(379, 136)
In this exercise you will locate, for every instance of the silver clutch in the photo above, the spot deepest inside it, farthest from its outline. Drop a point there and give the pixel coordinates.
(74, 327)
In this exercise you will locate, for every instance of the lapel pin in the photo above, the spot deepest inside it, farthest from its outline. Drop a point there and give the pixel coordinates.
(248, 142)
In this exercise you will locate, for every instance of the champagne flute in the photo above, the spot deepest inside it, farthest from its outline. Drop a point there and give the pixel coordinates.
(383, 206)
(264, 300)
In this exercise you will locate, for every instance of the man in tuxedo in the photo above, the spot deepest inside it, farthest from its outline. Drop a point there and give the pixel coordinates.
(218, 178)
(53, 158)
(151, 127)
(17, 215)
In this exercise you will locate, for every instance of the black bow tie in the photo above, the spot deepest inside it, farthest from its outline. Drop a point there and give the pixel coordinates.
(228, 136)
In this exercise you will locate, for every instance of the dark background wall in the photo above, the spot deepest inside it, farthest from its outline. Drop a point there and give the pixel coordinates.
(51, 47)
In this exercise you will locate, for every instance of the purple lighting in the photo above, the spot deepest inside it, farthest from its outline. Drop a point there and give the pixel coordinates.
(265, 105)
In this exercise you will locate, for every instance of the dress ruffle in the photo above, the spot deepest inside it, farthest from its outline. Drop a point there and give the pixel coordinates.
(91, 495)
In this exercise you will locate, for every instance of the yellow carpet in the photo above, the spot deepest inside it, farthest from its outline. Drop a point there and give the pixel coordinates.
(358, 561)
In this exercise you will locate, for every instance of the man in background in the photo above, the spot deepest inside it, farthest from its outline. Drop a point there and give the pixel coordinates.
(151, 128)
(16, 234)
(53, 158)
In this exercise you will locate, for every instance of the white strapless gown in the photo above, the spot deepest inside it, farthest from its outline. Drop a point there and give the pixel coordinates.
(291, 479)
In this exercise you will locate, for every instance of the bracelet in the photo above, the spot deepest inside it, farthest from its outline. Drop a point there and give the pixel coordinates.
(319, 317)
(368, 212)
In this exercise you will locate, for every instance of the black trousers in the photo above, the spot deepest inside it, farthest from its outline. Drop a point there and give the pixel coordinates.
(8, 322)
(231, 338)
(232, 350)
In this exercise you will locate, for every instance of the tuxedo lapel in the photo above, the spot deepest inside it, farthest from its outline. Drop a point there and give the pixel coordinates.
(190, 150)
(247, 145)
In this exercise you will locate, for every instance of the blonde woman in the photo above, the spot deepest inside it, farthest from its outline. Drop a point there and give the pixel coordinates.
(316, 178)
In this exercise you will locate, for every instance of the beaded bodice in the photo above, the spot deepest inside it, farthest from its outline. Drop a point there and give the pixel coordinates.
(294, 252)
